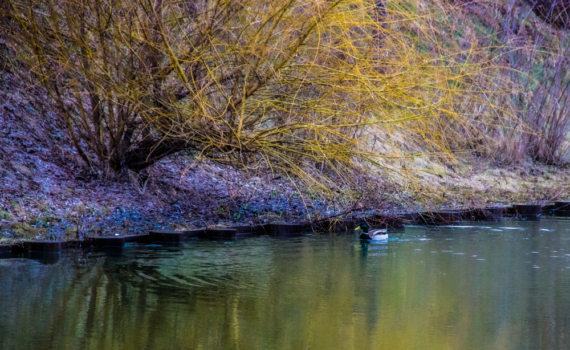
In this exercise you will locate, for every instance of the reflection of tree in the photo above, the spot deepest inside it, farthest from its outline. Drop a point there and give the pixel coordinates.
(310, 292)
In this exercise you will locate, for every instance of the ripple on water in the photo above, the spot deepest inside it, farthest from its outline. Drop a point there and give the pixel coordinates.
(265, 293)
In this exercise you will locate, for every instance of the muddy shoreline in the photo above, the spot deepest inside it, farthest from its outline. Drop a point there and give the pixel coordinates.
(394, 223)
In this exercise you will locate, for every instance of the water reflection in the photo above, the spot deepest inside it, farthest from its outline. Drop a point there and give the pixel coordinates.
(501, 286)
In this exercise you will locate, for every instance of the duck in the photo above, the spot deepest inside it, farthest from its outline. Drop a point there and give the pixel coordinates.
(375, 235)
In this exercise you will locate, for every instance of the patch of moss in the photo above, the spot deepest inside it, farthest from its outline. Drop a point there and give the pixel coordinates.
(71, 232)
(5, 215)
(44, 221)
(23, 230)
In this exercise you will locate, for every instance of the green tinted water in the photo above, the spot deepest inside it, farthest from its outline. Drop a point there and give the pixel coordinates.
(487, 287)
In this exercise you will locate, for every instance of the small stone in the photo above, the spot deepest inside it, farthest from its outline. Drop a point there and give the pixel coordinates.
(9, 175)
(22, 169)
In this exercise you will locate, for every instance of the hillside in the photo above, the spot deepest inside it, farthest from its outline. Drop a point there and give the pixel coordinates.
(495, 133)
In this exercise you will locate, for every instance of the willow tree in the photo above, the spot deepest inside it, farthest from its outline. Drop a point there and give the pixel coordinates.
(288, 83)
(230, 80)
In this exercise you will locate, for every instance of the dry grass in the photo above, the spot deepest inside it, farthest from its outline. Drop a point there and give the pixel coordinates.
(334, 94)
(305, 88)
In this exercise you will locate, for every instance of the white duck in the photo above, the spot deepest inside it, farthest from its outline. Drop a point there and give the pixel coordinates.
(375, 235)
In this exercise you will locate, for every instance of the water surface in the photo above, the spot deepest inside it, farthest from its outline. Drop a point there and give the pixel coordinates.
(491, 286)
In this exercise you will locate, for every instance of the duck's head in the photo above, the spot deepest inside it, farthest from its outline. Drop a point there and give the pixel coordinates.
(363, 226)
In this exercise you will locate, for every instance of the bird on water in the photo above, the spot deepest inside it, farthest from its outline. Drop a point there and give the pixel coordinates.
(376, 235)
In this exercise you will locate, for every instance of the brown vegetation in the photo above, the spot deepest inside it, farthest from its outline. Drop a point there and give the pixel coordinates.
(365, 103)
(290, 85)
(227, 80)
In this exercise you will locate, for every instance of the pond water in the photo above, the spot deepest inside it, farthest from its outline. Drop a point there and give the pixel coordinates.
(491, 286)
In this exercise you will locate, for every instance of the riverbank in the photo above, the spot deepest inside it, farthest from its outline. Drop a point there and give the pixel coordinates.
(47, 202)
(46, 192)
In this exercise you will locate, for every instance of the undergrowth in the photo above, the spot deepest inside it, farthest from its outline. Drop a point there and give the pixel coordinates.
(334, 96)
